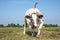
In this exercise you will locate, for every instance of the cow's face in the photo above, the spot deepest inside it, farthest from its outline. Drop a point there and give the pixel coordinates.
(34, 18)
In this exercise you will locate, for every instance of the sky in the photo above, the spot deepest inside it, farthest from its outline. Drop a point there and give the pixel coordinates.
(12, 11)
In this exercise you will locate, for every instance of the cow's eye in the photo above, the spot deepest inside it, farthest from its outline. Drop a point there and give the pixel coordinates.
(28, 17)
(40, 16)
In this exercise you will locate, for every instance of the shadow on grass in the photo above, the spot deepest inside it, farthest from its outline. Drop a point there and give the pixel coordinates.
(29, 33)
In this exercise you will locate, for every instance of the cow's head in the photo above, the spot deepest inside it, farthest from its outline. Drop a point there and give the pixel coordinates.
(34, 17)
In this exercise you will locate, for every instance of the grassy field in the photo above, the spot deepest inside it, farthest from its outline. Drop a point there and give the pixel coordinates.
(16, 33)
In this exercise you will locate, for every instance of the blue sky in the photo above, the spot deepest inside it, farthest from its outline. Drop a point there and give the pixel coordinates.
(12, 11)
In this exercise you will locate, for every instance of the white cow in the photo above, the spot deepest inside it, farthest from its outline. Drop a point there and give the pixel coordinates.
(33, 18)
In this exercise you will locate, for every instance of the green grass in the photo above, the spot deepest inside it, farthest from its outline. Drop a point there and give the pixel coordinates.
(16, 33)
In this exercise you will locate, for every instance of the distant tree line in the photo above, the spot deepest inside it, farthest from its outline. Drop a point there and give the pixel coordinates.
(18, 25)
(50, 25)
(11, 25)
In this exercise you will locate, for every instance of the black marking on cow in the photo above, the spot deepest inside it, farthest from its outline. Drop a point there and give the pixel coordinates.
(40, 16)
(27, 16)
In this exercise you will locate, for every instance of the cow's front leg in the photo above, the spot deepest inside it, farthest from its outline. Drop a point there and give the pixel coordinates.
(38, 34)
(24, 30)
(39, 29)
(25, 24)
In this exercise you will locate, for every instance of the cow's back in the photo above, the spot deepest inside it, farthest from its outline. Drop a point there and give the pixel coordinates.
(31, 11)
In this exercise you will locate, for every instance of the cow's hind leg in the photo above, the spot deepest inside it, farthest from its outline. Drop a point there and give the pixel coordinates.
(33, 33)
(32, 29)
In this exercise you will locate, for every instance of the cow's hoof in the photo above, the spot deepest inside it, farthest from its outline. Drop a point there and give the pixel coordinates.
(33, 35)
(24, 33)
(37, 36)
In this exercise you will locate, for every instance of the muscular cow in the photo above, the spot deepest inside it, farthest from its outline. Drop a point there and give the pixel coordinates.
(33, 18)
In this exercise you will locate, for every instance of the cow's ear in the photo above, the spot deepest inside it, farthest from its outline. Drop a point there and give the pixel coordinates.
(40, 16)
(28, 16)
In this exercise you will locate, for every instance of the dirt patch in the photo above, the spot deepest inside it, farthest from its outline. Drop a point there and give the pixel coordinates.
(49, 35)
